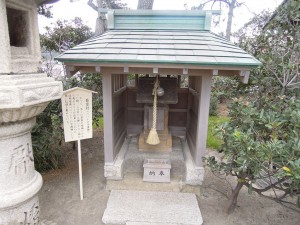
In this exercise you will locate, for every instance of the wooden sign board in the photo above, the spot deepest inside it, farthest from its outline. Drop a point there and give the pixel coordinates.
(77, 118)
(77, 114)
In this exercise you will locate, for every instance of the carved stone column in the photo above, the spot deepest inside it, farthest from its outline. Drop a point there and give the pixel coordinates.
(22, 98)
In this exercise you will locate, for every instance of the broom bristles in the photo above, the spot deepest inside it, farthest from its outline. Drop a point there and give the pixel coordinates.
(153, 138)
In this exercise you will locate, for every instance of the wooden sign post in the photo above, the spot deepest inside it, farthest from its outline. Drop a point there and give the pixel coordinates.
(77, 118)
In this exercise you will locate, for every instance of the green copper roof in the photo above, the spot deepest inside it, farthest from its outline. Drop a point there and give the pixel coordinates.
(179, 47)
(159, 37)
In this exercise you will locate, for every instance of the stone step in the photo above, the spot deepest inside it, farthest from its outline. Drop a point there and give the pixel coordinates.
(142, 223)
(134, 182)
(152, 208)
(47, 222)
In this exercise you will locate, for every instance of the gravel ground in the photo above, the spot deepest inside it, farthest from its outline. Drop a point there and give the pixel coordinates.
(60, 201)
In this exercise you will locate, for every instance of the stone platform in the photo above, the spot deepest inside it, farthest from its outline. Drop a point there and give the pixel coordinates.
(133, 161)
(152, 208)
(127, 171)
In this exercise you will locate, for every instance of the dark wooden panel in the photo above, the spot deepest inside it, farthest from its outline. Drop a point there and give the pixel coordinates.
(178, 119)
(119, 120)
(135, 117)
(192, 126)
(182, 99)
(131, 98)
(135, 111)
(145, 88)
(177, 112)
(118, 102)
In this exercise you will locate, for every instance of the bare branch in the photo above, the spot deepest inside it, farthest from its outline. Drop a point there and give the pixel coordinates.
(92, 5)
(293, 78)
(260, 191)
(297, 83)
(274, 73)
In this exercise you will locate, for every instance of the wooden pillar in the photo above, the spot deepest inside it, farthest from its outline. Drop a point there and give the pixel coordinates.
(203, 115)
(108, 118)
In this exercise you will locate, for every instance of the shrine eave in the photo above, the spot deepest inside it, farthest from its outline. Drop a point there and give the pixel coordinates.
(128, 63)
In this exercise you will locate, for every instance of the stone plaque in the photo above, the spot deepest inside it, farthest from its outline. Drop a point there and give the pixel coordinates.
(157, 170)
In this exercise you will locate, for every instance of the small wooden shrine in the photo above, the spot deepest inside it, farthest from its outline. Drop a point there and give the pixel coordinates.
(167, 46)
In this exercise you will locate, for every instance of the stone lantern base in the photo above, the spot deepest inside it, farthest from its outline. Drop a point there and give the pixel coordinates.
(22, 98)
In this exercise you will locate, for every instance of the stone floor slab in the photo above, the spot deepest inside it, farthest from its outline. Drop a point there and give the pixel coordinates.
(142, 223)
(151, 208)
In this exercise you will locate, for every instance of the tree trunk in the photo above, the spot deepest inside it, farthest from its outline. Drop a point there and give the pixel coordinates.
(101, 20)
(231, 205)
(100, 25)
(283, 90)
(230, 17)
(145, 4)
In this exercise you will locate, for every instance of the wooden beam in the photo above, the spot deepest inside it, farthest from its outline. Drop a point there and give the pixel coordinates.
(194, 92)
(136, 80)
(108, 118)
(178, 81)
(244, 76)
(162, 71)
(126, 69)
(185, 71)
(98, 69)
(171, 66)
(203, 115)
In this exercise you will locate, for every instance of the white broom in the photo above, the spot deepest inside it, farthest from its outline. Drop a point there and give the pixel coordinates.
(153, 138)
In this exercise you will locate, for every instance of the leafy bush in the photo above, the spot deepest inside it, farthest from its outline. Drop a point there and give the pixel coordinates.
(274, 40)
(262, 141)
(91, 81)
(47, 137)
(262, 138)
(214, 140)
(213, 105)
(224, 88)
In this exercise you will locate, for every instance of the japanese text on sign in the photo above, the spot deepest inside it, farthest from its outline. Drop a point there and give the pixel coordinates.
(77, 114)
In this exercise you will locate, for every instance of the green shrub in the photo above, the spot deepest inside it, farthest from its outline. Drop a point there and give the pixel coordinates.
(214, 140)
(224, 88)
(98, 122)
(262, 141)
(47, 135)
(213, 105)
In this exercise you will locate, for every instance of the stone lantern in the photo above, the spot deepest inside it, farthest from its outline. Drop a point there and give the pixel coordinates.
(24, 93)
